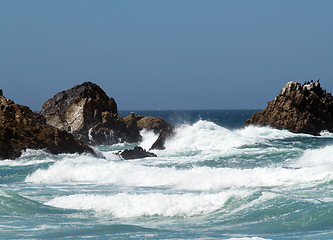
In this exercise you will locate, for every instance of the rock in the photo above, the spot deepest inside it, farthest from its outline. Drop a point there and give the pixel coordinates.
(90, 115)
(165, 134)
(20, 129)
(132, 128)
(299, 108)
(159, 126)
(155, 124)
(136, 153)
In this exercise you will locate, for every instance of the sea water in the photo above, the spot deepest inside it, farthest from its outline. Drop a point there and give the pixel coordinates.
(214, 180)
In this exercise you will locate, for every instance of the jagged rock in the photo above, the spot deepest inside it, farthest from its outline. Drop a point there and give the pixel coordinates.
(299, 108)
(90, 115)
(20, 129)
(136, 153)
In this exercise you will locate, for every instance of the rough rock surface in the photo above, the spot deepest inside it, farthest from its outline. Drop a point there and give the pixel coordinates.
(90, 115)
(155, 124)
(136, 153)
(20, 128)
(299, 108)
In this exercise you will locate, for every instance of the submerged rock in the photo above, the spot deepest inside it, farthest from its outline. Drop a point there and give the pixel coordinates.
(299, 108)
(90, 115)
(136, 153)
(20, 129)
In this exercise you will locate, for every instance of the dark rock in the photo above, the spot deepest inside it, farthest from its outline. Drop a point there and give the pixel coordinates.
(136, 153)
(299, 108)
(90, 115)
(165, 134)
(20, 129)
(132, 129)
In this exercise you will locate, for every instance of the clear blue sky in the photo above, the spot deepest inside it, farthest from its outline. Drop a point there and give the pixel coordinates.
(164, 54)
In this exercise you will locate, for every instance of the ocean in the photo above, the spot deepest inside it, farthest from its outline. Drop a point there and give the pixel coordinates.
(214, 180)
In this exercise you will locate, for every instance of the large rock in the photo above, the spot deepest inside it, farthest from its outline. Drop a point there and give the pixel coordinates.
(299, 108)
(90, 115)
(20, 129)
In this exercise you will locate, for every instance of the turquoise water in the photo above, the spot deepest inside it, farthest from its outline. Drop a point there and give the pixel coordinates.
(214, 180)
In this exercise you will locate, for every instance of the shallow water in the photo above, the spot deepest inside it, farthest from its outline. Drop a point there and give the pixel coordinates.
(214, 180)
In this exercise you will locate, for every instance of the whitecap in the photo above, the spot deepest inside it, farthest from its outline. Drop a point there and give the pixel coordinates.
(124, 205)
(85, 169)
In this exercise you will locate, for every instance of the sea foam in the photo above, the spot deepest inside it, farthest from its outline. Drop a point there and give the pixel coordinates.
(195, 178)
(124, 205)
(316, 158)
(209, 139)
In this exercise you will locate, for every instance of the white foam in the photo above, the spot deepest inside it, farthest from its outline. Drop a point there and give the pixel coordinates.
(124, 205)
(206, 140)
(316, 158)
(205, 135)
(29, 157)
(326, 134)
(148, 138)
(264, 133)
(85, 169)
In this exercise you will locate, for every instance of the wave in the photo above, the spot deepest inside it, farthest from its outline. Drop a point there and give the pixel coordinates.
(13, 203)
(124, 205)
(207, 140)
(251, 209)
(204, 135)
(315, 158)
(85, 169)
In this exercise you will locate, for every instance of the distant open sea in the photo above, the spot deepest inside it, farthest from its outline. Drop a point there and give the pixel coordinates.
(214, 180)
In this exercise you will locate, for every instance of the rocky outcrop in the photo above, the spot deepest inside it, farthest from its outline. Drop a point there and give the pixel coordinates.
(136, 153)
(20, 129)
(90, 115)
(299, 108)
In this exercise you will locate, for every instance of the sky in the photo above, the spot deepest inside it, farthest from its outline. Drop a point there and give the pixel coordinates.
(168, 55)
